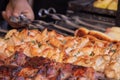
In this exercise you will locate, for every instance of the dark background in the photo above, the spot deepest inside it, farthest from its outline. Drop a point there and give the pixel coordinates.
(59, 5)
(3, 4)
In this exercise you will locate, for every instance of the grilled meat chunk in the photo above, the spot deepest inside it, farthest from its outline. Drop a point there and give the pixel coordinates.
(17, 59)
(39, 68)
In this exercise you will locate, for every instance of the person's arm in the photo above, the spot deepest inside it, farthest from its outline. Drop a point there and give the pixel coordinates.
(17, 7)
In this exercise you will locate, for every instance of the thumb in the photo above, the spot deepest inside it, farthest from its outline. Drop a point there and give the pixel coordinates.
(4, 15)
(30, 15)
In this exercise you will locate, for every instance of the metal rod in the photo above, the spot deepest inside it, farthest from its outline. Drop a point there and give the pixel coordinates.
(89, 25)
(3, 31)
(63, 28)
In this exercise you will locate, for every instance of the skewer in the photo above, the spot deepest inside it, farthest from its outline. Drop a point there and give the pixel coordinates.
(58, 27)
(77, 20)
(89, 25)
(3, 31)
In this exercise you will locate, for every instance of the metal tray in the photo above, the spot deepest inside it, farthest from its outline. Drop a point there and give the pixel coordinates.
(76, 6)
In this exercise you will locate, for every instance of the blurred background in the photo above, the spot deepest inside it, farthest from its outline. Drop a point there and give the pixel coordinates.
(101, 13)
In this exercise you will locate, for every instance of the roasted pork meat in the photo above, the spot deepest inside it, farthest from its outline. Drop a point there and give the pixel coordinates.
(21, 67)
(87, 48)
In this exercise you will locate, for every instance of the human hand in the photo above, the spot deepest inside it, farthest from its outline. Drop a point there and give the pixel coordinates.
(16, 8)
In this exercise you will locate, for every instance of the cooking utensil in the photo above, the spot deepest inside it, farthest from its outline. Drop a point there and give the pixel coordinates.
(73, 23)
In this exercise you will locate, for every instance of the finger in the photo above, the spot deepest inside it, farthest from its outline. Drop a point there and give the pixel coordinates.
(5, 15)
(8, 13)
(14, 25)
(8, 10)
(16, 13)
(29, 15)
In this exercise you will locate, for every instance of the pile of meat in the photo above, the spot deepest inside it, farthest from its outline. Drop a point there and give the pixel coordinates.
(21, 67)
(93, 50)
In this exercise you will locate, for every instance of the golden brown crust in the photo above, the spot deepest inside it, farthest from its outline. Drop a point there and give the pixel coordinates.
(10, 33)
(100, 35)
(81, 32)
(97, 34)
